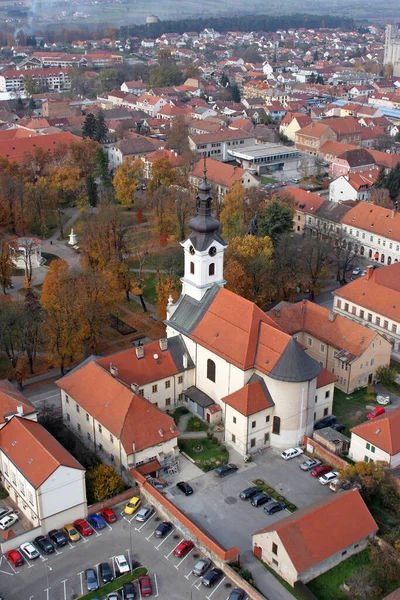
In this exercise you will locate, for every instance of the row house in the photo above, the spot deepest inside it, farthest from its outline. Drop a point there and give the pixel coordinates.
(350, 351)
(51, 79)
(373, 300)
(56, 60)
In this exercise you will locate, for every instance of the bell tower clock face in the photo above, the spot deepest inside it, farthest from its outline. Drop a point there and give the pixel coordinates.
(191, 250)
(212, 251)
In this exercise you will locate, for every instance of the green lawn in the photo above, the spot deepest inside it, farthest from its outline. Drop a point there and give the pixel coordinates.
(327, 586)
(274, 494)
(116, 584)
(149, 290)
(178, 413)
(267, 179)
(196, 424)
(206, 454)
(351, 409)
(387, 520)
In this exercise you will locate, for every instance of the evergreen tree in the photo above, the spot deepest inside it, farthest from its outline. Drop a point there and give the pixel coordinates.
(275, 220)
(32, 104)
(381, 181)
(316, 56)
(102, 168)
(312, 77)
(224, 80)
(101, 129)
(91, 190)
(320, 80)
(89, 126)
(393, 182)
(235, 93)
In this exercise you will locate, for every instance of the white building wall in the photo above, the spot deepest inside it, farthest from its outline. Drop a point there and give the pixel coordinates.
(64, 489)
(322, 402)
(361, 450)
(387, 249)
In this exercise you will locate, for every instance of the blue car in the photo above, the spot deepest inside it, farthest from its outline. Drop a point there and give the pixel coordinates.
(97, 521)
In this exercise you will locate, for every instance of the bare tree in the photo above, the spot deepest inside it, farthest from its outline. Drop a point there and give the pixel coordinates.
(342, 254)
(314, 253)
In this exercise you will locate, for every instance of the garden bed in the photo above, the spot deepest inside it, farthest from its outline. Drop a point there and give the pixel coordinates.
(207, 453)
(115, 585)
(274, 494)
(196, 424)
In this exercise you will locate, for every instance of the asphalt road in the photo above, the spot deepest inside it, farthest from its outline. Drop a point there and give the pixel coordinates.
(45, 393)
(61, 576)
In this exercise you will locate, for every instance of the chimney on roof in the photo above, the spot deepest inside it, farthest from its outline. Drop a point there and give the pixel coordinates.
(185, 361)
(135, 388)
(163, 344)
(140, 350)
(278, 312)
(113, 370)
(331, 316)
(161, 432)
(370, 270)
(20, 410)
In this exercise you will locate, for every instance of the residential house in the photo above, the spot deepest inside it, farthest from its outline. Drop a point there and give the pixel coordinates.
(352, 161)
(354, 186)
(373, 300)
(222, 176)
(292, 123)
(306, 204)
(51, 79)
(378, 439)
(37, 471)
(176, 161)
(331, 150)
(312, 137)
(202, 112)
(134, 87)
(351, 351)
(149, 104)
(216, 145)
(12, 403)
(130, 148)
(299, 548)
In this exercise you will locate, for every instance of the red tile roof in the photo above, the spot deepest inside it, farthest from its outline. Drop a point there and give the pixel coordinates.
(218, 172)
(17, 133)
(33, 450)
(383, 432)
(374, 219)
(249, 399)
(325, 378)
(130, 418)
(10, 399)
(305, 200)
(15, 151)
(304, 533)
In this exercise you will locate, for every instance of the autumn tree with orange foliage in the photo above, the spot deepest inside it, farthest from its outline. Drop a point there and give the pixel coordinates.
(167, 285)
(126, 180)
(246, 267)
(13, 205)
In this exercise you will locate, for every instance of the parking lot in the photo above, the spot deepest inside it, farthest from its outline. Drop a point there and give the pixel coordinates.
(216, 506)
(60, 576)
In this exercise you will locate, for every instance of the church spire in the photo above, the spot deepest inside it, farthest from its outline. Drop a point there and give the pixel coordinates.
(204, 222)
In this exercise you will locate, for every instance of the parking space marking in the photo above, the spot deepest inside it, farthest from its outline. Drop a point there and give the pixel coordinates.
(12, 568)
(47, 590)
(164, 540)
(64, 582)
(184, 558)
(80, 577)
(150, 536)
(57, 551)
(168, 555)
(145, 523)
(155, 581)
(6, 573)
(215, 589)
(188, 575)
(28, 562)
(112, 558)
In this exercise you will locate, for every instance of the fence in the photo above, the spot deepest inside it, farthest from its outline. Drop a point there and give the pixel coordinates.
(324, 454)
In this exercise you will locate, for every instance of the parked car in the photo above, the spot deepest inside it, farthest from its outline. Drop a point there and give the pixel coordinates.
(106, 573)
(376, 412)
(356, 271)
(260, 499)
(320, 470)
(145, 585)
(29, 551)
(132, 505)
(325, 479)
(121, 564)
(15, 557)
(96, 521)
(112, 596)
(163, 529)
(44, 544)
(185, 488)
(309, 464)
(291, 453)
(71, 533)
(8, 521)
(183, 548)
(225, 470)
(383, 400)
(58, 537)
(212, 577)
(338, 427)
(250, 492)
(274, 506)
(92, 583)
(108, 514)
(237, 594)
(4, 512)
(201, 567)
(325, 422)
(83, 527)
(144, 514)
(128, 591)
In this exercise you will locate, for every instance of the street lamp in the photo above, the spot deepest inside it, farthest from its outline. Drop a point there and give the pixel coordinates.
(47, 569)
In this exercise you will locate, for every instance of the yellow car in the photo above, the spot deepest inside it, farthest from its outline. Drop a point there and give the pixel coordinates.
(71, 533)
(132, 505)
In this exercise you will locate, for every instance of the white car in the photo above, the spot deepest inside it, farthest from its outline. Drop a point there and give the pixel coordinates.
(121, 564)
(291, 453)
(29, 551)
(325, 479)
(363, 273)
(8, 521)
(383, 400)
(356, 271)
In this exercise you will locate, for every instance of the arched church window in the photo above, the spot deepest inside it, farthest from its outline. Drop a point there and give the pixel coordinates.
(276, 425)
(211, 370)
(211, 269)
(192, 268)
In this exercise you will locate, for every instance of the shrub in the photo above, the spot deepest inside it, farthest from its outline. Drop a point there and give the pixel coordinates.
(103, 482)
(386, 375)
(214, 440)
(3, 493)
(281, 498)
(245, 574)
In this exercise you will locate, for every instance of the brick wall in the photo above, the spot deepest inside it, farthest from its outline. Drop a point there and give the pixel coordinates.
(164, 506)
(133, 491)
(241, 583)
(325, 455)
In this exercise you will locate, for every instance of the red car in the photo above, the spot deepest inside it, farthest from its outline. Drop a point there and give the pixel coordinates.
(109, 515)
(376, 412)
(83, 527)
(320, 470)
(145, 585)
(15, 558)
(183, 548)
